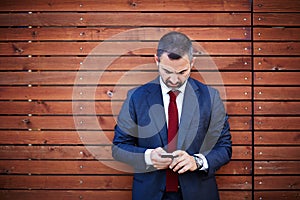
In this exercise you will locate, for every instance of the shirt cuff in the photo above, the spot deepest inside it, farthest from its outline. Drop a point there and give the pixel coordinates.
(205, 163)
(147, 157)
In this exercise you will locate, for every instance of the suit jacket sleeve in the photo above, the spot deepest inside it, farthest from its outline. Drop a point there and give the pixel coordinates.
(217, 143)
(125, 141)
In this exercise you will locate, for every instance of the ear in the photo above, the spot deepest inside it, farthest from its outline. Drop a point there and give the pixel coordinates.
(193, 62)
(156, 59)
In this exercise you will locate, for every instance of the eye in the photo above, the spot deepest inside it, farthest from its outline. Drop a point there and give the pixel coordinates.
(167, 71)
(182, 72)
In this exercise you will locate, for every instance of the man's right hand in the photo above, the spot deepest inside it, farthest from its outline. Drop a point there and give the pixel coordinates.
(158, 161)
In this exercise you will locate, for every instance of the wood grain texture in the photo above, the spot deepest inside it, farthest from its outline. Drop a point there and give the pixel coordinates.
(113, 34)
(132, 19)
(276, 6)
(122, 5)
(73, 63)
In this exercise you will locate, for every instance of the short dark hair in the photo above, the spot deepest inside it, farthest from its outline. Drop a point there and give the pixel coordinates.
(176, 45)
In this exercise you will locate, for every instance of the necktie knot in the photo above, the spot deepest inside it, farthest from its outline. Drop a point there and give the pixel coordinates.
(173, 95)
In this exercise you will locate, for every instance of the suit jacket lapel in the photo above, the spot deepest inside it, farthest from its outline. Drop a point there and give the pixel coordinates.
(190, 113)
(156, 110)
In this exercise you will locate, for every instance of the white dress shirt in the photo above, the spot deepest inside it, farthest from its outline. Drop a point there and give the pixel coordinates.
(179, 101)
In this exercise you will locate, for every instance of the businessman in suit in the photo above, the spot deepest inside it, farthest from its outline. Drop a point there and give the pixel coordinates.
(178, 115)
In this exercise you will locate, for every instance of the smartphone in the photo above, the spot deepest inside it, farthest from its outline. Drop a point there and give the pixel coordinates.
(168, 155)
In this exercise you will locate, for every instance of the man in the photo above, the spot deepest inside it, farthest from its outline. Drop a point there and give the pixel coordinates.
(178, 115)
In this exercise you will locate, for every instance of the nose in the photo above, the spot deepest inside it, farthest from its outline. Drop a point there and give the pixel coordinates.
(174, 79)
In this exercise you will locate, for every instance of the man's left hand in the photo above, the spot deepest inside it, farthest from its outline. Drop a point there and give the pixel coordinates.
(183, 162)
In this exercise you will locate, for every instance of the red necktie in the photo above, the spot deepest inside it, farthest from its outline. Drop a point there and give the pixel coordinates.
(172, 177)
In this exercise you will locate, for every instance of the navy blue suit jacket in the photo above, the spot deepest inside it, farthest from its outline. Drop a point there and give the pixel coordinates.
(203, 129)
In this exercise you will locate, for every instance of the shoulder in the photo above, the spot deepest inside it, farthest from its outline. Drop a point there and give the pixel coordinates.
(143, 90)
(203, 88)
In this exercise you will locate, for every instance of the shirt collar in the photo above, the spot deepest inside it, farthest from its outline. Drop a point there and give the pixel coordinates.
(165, 88)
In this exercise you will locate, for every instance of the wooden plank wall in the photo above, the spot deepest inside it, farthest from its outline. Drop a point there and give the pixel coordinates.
(50, 145)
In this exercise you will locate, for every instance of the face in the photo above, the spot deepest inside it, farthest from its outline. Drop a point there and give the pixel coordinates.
(174, 73)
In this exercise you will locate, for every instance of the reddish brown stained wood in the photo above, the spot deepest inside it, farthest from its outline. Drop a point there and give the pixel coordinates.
(237, 182)
(96, 194)
(56, 152)
(276, 182)
(116, 63)
(100, 182)
(65, 194)
(98, 34)
(115, 48)
(276, 63)
(82, 152)
(84, 137)
(240, 137)
(280, 195)
(276, 93)
(65, 167)
(276, 78)
(276, 138)
(276, 123)
(276, 167)
(241, 152)
(100, 108)
(99, 93)
(93, 167)
(85, 122)
(277, 153)
(276, 48)
(276, 19)
(66, 182)
(276, 34)
(276, 6)
(276, 108)
(132, 19)
(115, 78)
(121, 5)
(56, 137)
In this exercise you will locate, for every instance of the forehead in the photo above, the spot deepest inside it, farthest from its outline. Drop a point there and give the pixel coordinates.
(177, 65)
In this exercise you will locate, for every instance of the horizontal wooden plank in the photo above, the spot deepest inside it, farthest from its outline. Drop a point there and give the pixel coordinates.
(276, 123)
(277, 153)
(239, 137)
(276, 6)
(235, 195)
(276, 182)
(132, 19)
(121, 5)
(65, 194)
(276, 63)
(280, 195)
(276, 19)
(99, 93)
(84, 137)
(94, 167)
(65, 182)
(276, 138)
(34, 167)
(276, 93)
(117, 78)
(94, 194)
(276, 78)
(116, 63)
(276, 167)
(276, 34)
(98, 34)
(83, 152)
(277, 108)
(89, 108)
(100, 182)
(57, 137)
(85, 122)
(276, 48)
(115, 48)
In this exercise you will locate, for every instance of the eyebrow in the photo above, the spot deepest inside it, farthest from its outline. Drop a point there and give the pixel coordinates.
(182, 71)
